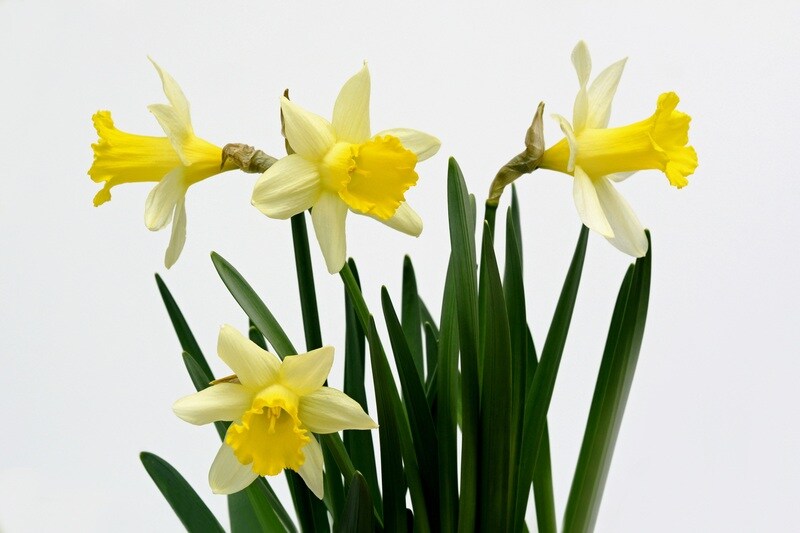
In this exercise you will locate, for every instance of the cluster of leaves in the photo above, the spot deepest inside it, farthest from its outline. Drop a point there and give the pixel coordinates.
(475, 369)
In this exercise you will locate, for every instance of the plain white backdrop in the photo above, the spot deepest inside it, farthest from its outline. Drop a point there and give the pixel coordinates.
(89, 365)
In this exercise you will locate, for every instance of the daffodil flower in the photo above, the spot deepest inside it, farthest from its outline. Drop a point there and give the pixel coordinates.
(175, 162)
(339, 166)
(274, 407)
(596, 155)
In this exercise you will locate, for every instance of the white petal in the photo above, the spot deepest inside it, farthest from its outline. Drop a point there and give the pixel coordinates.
(629, 235)
(601, 95)
(174, 126)
(178, 237)
(227, 474)
(573, 142)
(580, 110)
(311, 470)
(328, 216)
(351, 111)
(174, 93)
(255, 368)
(588, 204)
(420, 143)
(162, 199)
(329, 410)
(307, 372)
(308, 134)
(404, 220)
(582, 62)
(223, 401)
(621, 176)
(288, 187)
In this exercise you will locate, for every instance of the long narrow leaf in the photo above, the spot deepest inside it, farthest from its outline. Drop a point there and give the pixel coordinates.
(358, 443)
(357, 516)
(189, 508)
(390, 408)
(537, 401)
(461, 214)
(447, 405)
(497, 399)
(253, 306)
(411, 315)
(423, 431)
(610, 397)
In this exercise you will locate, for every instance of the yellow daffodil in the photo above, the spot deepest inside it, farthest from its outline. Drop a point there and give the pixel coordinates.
(175, 162)
(339, 166)
(596, 155)
(274, 407)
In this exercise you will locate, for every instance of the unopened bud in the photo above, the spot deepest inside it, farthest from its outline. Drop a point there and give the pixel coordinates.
(524, 162)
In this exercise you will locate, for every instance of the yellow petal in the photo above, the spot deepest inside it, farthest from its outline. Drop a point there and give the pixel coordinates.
(288, 187)
(305, 373)
(351, 111)
(309, 135)
(223, 401)
(227, 474)
(311, 471)
(328, 216)
(588, 204)
(328, 410)
(255, 368)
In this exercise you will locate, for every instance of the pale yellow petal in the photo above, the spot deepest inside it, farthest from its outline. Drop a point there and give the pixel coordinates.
(224, 401)
(404, 220)
(588, 204)
(255, 368)
(178, 132)
(178, 236)
(309, 135)
(329, 215)
(601, 94)
(288, 187)
(582, 62)
(328, 410)
(629, 235)
(162, 199)
(227, 474)
(311, 471)
(307, 372)
(174, 93)
(351, 111)
(571, 139)
(422, 144)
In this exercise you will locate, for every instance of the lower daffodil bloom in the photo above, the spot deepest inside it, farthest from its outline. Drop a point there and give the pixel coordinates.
(274, 407)
(175, 162)
(339, 166)
(596, 155)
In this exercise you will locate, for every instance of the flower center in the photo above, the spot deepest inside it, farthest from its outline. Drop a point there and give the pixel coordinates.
(270, 435)
(371, 177)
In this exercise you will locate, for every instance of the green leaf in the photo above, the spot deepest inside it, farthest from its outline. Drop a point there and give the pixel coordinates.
(411, 316)
(432, 351)
(497, 397)
(357, 515)
(610, 397)
(255, 336)
(189, 508)
(393, 479)
(515, 217)
(447, 406)
(423, 431)
(542, 471)
(537, 400)
(185, 336)
(305, 282)
(358, 443)
(253, 306)
(461, 213)
(390, 413)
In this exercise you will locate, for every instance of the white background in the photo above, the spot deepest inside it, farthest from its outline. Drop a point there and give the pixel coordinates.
(89, 365)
